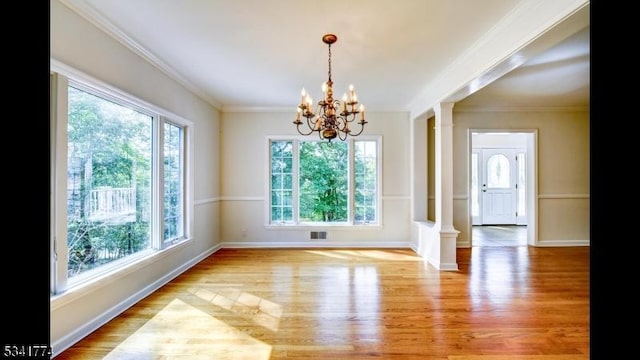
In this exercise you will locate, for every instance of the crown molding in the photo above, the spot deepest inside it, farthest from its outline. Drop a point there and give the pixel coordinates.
(258, 109)
(94, 17)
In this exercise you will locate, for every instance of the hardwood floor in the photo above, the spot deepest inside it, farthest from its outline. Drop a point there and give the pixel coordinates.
(504, 303)
(499, 235)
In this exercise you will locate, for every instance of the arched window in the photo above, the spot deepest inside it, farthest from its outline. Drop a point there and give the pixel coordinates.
(498, 172)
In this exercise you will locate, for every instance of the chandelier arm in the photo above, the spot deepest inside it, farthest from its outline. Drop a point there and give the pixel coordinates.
(341, 133)
(341, 123)
(312, 124)
(359, 132)
(301, 133)
(308, 125)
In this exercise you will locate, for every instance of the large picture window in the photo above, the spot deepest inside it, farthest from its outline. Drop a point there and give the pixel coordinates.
(119, 181)
(324, 181)
(109, 162)
(316, 182)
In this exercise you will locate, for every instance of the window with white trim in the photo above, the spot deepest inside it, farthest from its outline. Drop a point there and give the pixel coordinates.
(314, 182)
(119, 180)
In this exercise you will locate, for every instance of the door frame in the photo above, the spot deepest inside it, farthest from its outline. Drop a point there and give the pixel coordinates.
(531, 176)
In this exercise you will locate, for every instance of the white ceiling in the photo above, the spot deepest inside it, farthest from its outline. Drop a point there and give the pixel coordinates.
(559, 77)
(255, 54)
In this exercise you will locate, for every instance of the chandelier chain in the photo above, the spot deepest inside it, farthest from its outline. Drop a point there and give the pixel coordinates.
(329, 62)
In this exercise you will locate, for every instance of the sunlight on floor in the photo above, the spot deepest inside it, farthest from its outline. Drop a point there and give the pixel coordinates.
(181, 331)
(256, 309)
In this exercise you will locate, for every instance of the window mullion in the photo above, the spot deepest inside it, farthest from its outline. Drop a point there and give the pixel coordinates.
(352, 183)
(296, 182)
(378, 207)
(59, 121)
(157, 220)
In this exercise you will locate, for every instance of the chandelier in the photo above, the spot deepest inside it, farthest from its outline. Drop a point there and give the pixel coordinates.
(326, 120)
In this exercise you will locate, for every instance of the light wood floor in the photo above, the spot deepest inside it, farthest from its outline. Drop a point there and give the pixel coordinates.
(504, 303)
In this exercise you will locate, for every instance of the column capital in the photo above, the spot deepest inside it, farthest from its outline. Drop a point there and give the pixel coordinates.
(443, 107)
(444, 113)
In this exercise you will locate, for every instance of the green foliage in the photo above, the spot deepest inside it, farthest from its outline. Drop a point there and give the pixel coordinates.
(365, 189)
(281, 180)
(109, 147)
(92, 244)
(323, 181)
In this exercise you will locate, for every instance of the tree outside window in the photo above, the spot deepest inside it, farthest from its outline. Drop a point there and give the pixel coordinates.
(108, 181)
(336, 182)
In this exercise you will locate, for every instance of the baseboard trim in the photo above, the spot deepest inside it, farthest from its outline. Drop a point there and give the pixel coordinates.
(448, 267)
(463, 244)
(315, 244)
(563, 243)
(80, 333)
(544, 243)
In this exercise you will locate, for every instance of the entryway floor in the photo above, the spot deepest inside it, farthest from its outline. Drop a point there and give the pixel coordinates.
(499, 235)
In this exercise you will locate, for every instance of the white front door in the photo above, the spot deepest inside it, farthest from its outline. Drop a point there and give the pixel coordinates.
(498, 187)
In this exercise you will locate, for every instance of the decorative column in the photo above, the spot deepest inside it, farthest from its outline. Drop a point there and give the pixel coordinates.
(444, 186)
(418, 168)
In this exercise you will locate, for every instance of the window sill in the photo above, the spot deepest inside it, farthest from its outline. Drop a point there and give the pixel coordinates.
(76, 291)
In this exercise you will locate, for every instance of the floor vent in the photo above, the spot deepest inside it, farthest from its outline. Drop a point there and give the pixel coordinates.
(318, 235)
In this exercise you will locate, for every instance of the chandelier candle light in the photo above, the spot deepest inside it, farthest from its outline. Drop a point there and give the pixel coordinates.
(329, 123)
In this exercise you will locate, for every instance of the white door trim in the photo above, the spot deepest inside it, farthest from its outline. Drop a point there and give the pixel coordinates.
(531, 179)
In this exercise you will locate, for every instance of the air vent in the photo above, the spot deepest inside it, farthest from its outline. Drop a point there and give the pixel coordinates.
(318, 235)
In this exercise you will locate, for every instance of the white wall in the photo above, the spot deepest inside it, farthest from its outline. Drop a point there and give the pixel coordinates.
(77, 43)
(244, 182)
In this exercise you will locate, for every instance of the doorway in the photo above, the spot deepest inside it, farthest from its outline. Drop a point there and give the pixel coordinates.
(502, 187)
